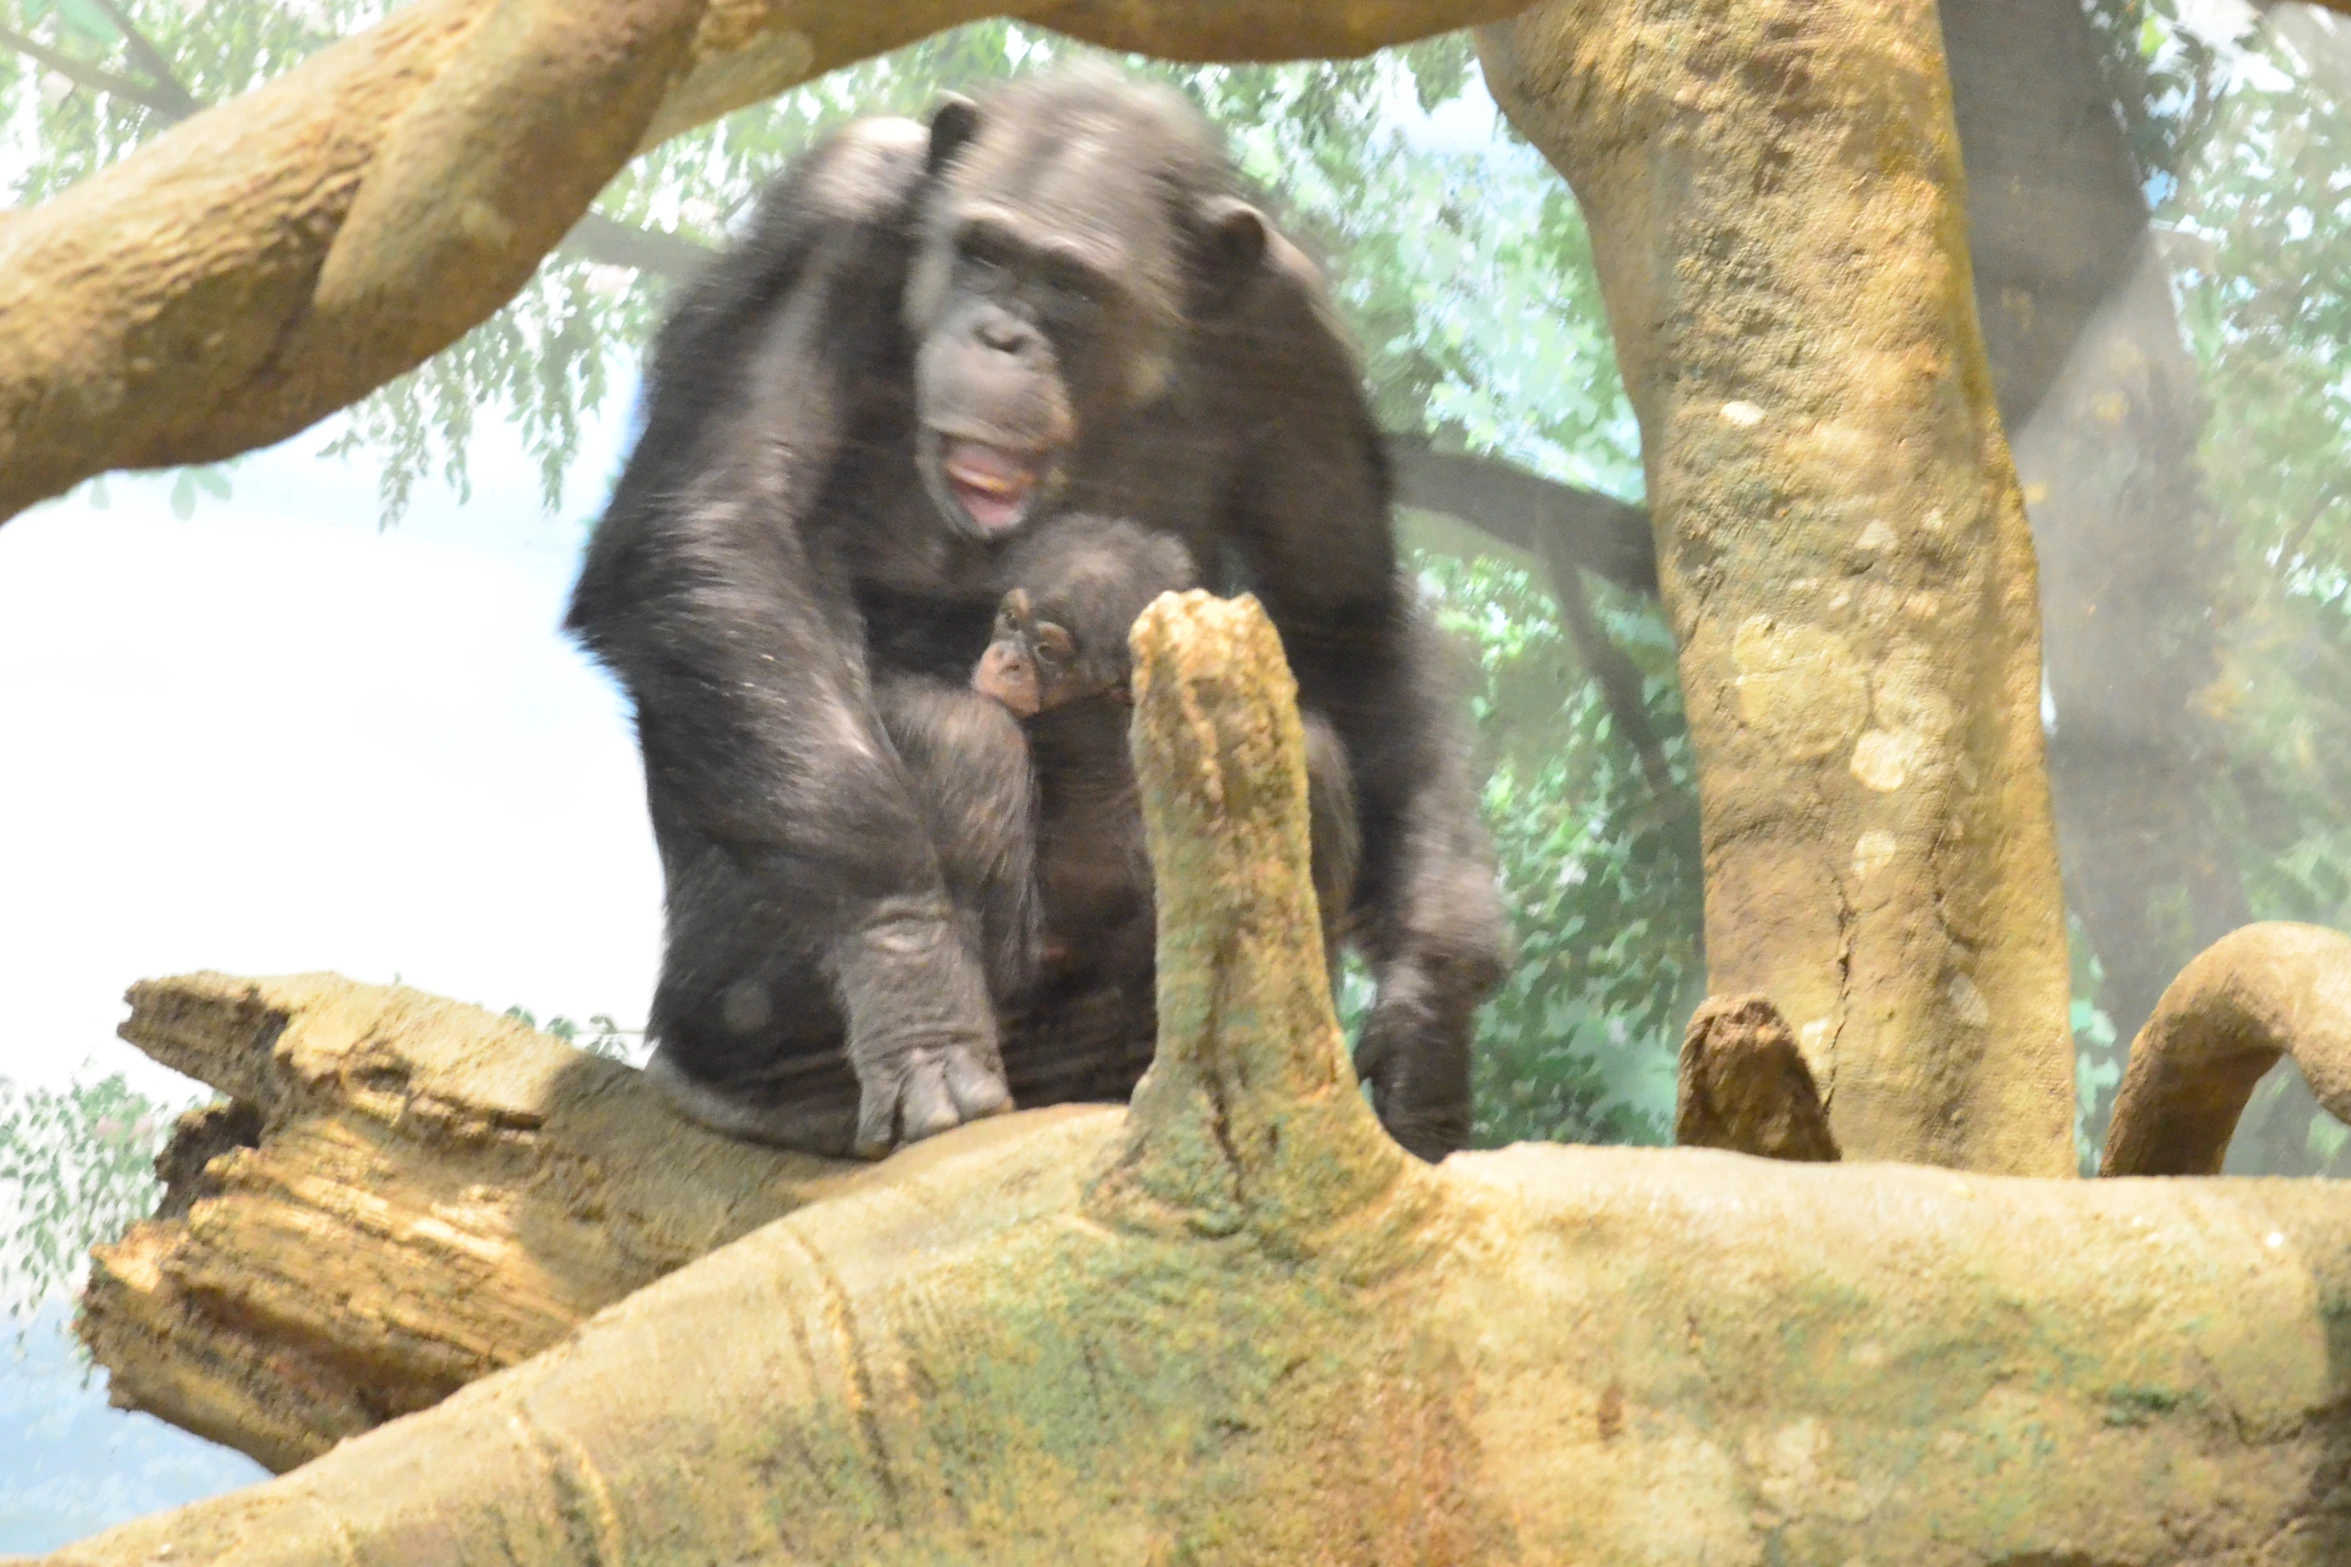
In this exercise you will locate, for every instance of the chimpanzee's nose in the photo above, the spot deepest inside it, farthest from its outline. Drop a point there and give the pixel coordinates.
(1007, 334)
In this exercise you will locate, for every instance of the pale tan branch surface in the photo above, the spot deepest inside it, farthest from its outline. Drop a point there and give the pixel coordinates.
(2256, 994)
(437, 1193)
(1250, 1119)
(1233, 1326)
(272, 259)
(1773, 190)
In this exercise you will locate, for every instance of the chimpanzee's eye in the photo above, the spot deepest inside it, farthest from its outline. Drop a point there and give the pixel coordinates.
(1054, 645)
(981, 255)
(1071, 283)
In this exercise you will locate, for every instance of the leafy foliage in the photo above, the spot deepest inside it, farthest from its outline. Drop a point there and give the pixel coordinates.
(2167, 81)
(602, 1035)
(77, 1166)
(1601, 877)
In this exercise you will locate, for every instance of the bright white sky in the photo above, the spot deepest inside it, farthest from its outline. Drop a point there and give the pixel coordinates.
(272, 739)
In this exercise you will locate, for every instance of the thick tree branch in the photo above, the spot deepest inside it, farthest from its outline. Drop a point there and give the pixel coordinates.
(1783, 395)
(265, 263)
(612, 243)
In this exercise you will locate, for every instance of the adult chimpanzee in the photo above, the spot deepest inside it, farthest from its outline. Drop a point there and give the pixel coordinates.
(1083, 1025)
(925, 342)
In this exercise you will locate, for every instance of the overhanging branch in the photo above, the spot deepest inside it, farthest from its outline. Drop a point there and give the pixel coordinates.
(1596, 532)
(265, 263)
(168, 86)
(612, 243)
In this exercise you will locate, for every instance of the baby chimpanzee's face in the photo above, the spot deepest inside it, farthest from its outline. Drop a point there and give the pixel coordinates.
(1076, 584)
(1033, 664)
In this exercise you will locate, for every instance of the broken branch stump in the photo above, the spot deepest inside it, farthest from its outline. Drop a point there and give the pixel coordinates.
(436, 1193)
(1744, 1085)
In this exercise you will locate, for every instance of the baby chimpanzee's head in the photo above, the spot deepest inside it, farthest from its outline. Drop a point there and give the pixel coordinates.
(1075, 586)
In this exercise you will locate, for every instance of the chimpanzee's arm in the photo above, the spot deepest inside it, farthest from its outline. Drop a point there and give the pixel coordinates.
(743, 653)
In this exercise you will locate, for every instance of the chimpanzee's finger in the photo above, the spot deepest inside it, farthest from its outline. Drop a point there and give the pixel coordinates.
(877, 1115)
(975, 1090)
(924, 1106)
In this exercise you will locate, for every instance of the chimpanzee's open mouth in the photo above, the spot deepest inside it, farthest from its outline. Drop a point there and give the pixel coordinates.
(995, 485)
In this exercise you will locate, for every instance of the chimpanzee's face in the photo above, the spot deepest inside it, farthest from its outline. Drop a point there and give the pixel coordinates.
(1047, 302)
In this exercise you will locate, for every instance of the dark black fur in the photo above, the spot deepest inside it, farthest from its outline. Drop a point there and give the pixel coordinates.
(1059, 296)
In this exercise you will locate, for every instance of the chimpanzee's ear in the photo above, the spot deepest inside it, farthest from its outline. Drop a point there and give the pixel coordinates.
(954, 122)
(1233, 243)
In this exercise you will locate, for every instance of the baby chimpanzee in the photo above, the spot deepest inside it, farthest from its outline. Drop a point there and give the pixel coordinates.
(1085, 1026)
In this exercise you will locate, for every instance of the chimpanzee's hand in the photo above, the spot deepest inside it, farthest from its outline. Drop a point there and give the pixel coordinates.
(922, 1033)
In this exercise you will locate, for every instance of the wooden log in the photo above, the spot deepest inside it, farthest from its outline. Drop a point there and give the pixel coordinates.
(400, 1195)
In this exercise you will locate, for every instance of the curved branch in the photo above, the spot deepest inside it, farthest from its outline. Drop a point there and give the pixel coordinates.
(2254, 995)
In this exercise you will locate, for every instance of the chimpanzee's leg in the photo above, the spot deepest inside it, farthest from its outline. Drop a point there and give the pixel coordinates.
(760, 991)
(1336, 835)
(1429, 915)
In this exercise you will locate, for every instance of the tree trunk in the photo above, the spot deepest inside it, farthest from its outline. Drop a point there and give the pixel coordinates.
(1237, 1324)
(1773, 194)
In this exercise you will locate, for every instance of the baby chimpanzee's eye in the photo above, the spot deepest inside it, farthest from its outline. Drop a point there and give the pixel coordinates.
(1054, 645)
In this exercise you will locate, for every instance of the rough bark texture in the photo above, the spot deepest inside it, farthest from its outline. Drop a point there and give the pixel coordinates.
(2257, 994)
(1744, 1085)
(1773, 193)
(271, 259)
(436, 1193)
(1237, 1325)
